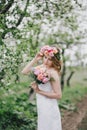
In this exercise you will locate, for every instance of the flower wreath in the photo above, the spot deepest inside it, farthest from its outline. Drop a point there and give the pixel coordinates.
(51, 51)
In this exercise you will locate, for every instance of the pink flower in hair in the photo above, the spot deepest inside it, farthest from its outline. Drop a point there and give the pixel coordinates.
(47, 50)
(44, 49)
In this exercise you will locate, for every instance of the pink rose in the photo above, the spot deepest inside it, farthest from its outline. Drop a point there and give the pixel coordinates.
(45, 80)
(36, 72)
(40, 77)
(51, 54)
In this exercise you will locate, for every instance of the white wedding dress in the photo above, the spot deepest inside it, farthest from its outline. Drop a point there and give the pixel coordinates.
(49, 117)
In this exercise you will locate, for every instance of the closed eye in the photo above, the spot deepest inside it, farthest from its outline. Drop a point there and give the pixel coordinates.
(48, 58)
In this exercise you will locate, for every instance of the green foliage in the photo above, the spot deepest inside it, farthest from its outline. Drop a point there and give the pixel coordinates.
(24, 25)
(17, 113)
(10, 64)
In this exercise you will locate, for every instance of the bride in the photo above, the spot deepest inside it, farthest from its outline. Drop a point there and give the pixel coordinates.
(48, 94)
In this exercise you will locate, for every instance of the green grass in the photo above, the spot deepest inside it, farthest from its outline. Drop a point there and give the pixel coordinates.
(74, 93)
(71, 96)
(78, 86)
(79, 77)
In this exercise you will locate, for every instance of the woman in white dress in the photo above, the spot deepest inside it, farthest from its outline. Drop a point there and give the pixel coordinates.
(48, 94)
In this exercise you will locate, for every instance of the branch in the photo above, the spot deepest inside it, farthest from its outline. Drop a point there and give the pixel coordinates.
(6, 7)
(18, 23)
(78, 3)
(22, 15)
(46, 8)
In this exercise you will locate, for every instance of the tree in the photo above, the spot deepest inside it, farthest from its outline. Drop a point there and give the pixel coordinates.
(25, 24)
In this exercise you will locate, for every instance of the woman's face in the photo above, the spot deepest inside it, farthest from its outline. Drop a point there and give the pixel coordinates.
(47, 61)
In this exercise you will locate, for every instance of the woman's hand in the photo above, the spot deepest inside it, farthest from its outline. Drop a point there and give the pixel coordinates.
(39, 56)
(35, 87)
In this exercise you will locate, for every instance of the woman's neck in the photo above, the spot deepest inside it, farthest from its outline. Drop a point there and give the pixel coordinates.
(47, 67)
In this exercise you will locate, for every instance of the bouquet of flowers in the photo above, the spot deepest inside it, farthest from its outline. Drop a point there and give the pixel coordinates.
(40, 76)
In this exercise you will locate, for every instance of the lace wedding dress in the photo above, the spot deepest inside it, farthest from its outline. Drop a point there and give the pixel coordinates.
(49, 117)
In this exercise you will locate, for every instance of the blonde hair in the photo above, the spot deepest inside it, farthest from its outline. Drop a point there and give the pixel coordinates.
(57, 62)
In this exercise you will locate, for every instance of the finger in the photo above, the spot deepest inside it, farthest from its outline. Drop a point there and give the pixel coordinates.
(41, 54)
(33, 83)
(33, 87)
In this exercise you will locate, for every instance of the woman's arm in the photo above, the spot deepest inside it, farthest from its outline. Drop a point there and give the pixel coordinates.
(56, 93)
(28, 67)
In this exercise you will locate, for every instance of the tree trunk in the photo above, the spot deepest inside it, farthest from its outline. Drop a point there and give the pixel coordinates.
(69, 78)
(63, 71)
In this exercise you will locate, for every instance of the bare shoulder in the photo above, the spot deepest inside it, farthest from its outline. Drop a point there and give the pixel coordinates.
(54, 74)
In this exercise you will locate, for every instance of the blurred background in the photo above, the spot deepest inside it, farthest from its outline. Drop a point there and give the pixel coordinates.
(25, 26)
